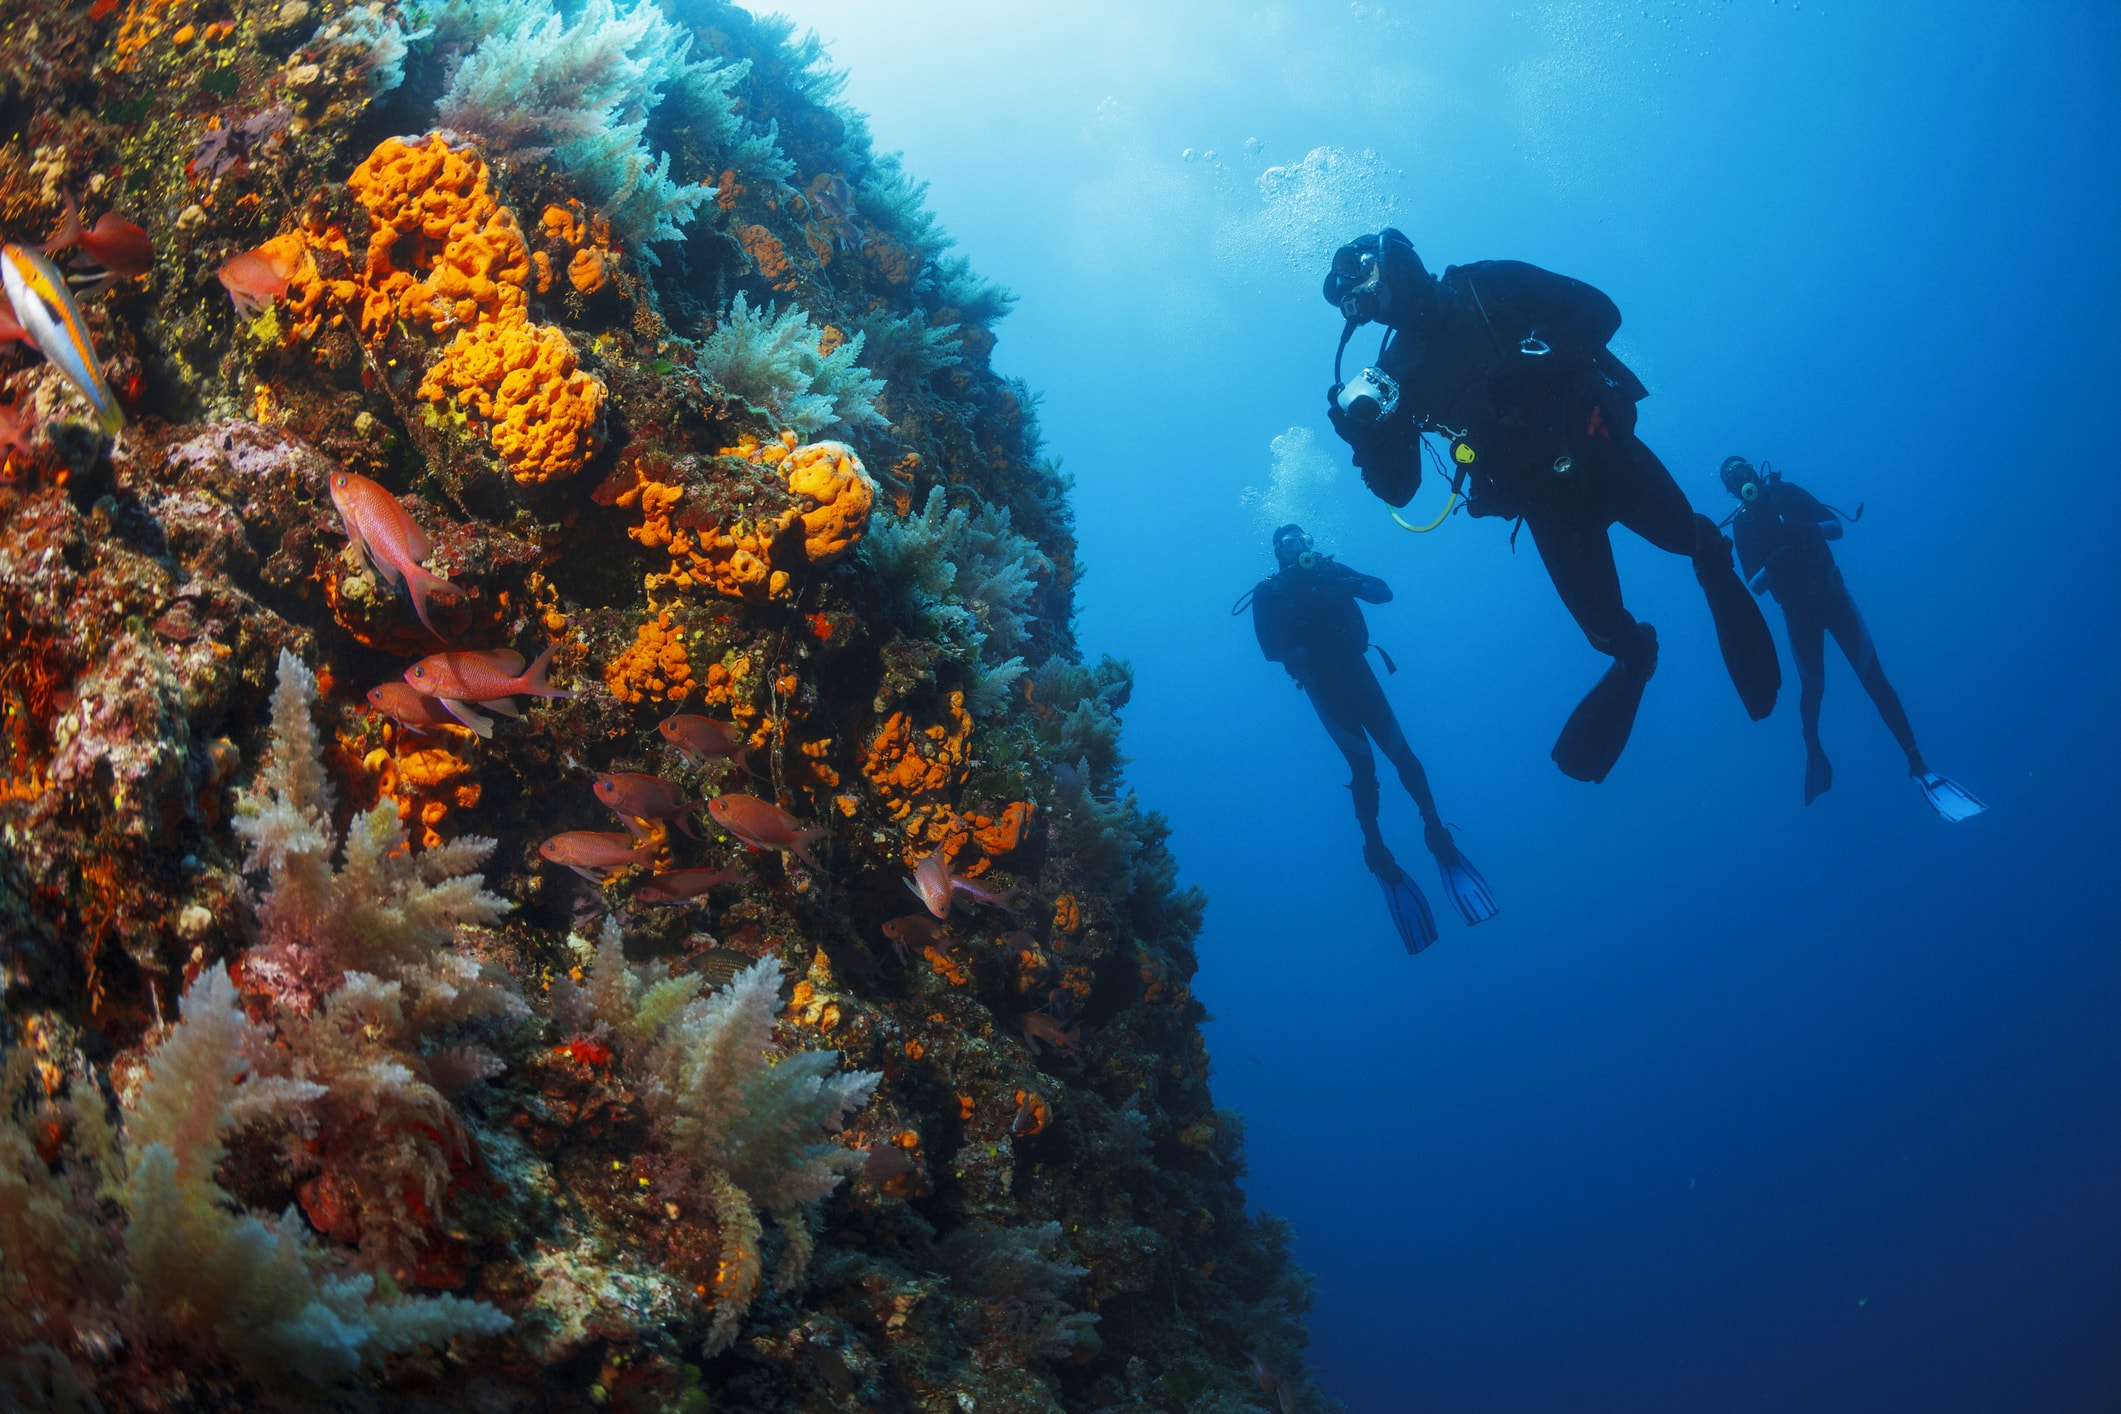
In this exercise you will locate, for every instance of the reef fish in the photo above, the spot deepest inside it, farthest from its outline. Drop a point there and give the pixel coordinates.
(489, 678)
(399, 702)
(683, 885)
(388, 538)
(586, 850)
(1037, 1026)
(699, 739)
(915, 930)
(763, 825)
(641, 797)
(45, 309)
(933, 884)
(254, 279)
(115, 245)
(719, 966)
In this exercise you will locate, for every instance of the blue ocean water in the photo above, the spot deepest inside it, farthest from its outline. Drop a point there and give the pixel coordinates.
(1739, 1104)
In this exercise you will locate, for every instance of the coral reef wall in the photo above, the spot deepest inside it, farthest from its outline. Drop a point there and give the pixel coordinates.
(557, 850)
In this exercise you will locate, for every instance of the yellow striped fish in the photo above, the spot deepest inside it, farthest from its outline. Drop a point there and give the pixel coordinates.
(46, 310)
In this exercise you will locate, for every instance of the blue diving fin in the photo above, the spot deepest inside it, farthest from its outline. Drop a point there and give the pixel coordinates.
(1948, 798)
(1463, 885)
(1410, 910)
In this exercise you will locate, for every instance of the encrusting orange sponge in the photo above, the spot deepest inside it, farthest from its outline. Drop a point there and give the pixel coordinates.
(445, 254)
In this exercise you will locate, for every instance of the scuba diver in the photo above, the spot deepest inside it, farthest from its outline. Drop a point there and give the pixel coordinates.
(1782, 533)
(1308, 621)
(1509, 362)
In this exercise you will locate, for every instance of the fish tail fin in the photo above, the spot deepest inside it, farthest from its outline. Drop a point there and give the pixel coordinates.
(685, 818)
(801, 845)
(534, 682)
(69, 229)
(424, 588)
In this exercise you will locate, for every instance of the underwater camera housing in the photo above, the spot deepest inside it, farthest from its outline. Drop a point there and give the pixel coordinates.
(1370, 396)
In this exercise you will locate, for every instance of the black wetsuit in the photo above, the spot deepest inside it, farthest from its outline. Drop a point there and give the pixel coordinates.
(1514, 357)
(1785, 532)
(1308, 621)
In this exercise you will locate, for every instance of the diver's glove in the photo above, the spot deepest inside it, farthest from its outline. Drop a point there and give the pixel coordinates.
(1390, 464)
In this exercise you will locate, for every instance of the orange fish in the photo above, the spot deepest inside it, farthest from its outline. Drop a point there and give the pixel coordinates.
(640, 797)
(763, 825)
(121, 249)
(399, 702)
(490, 679)
(683, 885)
(1037, 1026)
(700, 738)
(915, 930)
(391, 540)
(255, 279)
(933, 883)
(585, 850)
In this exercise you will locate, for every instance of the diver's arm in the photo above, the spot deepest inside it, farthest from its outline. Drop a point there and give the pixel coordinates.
(1366, 587)
(1388, 454)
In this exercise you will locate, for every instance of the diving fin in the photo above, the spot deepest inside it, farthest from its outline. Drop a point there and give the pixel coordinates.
(1818, 776)
(1409, 909)
(1948, 798)
(1463, 885)
(1597, 731)
(1742, 632)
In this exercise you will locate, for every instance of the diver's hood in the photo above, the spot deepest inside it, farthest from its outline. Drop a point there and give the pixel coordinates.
(1386, 258)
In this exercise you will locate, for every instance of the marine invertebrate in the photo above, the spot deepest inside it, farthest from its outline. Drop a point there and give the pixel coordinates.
(444, 253)
(654, 667)
(963, 579)
(360, 956)
(774, 361)
(535, 84)
(823, 515)
(750, 1121)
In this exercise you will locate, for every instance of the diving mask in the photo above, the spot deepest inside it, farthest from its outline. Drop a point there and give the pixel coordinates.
(1740, 479)
(1355, 284)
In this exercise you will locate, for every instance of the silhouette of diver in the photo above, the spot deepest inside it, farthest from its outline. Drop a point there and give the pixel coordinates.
(1307, 620)
(1510, 362)
(1782, 532)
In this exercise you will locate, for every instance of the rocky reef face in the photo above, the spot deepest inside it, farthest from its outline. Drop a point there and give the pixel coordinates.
(852, 1064)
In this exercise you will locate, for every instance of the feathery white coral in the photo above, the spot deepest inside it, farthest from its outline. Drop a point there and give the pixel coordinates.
(382, 909)
(752, 1122)
(772, 362)
(257, 1291)
(535, 85)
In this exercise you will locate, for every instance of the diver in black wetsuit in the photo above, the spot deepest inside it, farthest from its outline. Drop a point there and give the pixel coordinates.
(1510, 362)
(1782, 532)
(1307, 620)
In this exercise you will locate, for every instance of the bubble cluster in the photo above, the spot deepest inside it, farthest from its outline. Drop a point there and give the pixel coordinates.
(1309, 208)
(1303, 485)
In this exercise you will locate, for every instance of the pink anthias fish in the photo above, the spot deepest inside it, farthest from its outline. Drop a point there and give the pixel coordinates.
(700, 739)
(115, 245)
(915, 930)
(635, 797)
(405, 706)
(1037, 1026)
(684, 885)
(933, 884)
(607, 851)
(255, 278)
(388, 538)
(489, 678)
(764, 825)
(15, 426)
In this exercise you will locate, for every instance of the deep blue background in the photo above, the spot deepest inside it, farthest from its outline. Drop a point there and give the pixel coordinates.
(1738, 1104)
